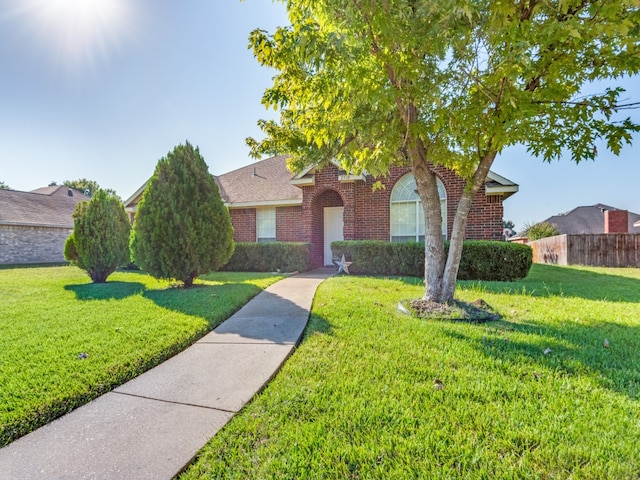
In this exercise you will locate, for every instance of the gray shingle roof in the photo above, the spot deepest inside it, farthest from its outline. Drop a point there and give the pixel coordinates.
(588, 219)
(51, 209)
(267, 181)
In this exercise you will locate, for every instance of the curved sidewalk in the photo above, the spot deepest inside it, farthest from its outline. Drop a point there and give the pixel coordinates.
(153, 426)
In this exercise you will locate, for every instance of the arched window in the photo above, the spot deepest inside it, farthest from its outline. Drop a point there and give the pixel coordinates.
(407, 216)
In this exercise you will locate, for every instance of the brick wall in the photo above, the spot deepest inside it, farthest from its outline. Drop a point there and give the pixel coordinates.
(289, 224)
(367, 213)
(244, 224)
(31, 244)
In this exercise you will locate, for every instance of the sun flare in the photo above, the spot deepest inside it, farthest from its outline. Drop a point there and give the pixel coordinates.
(79, 32)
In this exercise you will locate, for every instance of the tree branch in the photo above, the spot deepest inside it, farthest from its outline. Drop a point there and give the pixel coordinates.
(584, 103)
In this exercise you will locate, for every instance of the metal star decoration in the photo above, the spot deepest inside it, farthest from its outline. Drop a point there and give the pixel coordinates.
(343, 265)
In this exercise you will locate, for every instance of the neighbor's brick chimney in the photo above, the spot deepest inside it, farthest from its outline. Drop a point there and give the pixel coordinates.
(616, 221)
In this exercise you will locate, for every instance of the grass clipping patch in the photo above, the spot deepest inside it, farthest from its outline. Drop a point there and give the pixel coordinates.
(474, 312)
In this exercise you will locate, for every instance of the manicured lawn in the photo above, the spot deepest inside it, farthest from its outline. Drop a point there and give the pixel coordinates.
(50, 318)
(357, 399)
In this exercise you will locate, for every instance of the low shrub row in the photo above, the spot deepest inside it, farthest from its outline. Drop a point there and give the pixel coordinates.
(481, 260)
(270, 257)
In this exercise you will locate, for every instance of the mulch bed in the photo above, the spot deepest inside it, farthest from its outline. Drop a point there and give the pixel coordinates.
(475, 312)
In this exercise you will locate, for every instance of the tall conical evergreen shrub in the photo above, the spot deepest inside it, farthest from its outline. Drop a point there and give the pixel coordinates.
(182, 228)
(100, 239)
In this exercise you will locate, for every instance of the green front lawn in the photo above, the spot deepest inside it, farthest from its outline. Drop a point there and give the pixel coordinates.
(535, 395)
(65, 341)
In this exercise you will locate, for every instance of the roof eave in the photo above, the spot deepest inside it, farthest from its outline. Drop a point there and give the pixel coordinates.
(306, 181)
(266, 203)
(135, 195)
(505, 190)
(23, 224)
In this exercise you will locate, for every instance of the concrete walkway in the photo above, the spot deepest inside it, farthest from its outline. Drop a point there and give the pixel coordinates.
(153, 426)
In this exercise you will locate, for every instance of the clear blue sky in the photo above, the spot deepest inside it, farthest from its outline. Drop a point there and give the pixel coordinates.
(102, 89)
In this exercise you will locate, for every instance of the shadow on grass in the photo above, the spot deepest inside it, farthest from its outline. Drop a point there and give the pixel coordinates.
(215, 303)
(569, 348)
(106, 291)
(317, 325)
(556, 281)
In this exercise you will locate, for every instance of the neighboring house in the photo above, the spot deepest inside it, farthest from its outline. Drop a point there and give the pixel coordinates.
(34, 225)
(591, 219)
(597, 235)
(269, 203)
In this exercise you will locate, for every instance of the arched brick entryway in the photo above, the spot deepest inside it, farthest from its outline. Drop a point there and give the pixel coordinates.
(327, 224)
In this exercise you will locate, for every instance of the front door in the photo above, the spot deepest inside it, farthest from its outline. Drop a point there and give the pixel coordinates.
(333, 230)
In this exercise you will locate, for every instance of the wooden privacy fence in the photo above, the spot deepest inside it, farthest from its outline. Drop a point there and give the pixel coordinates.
(598, 250)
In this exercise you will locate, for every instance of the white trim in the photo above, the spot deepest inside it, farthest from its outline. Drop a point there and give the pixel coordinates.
(506, 187)
(305, 181)
(265, 203)
(137, 192)
(501, 189)
(304, 172)
(499, 178)
(337, 165)
(637, 224)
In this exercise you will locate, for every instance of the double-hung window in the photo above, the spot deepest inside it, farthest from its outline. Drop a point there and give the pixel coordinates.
(266, 224)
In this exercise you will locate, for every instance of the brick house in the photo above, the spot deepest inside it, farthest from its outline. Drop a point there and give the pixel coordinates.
(34, 225)
(269, 203)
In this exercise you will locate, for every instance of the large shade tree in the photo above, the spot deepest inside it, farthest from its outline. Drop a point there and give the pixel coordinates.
(443, 82)
(182, 228)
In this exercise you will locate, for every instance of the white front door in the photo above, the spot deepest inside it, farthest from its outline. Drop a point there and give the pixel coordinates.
(333, 230)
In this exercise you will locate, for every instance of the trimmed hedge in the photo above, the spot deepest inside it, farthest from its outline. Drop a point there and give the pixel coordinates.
(481, 260)
(270, 257)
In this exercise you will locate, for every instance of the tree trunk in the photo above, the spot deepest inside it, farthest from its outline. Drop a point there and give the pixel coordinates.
(99, 276)
(440, 273)
(452, 265)
(434, 257)
(188, 282)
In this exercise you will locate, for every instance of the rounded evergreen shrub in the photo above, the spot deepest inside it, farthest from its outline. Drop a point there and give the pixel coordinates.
(100, 240)
(182, 228)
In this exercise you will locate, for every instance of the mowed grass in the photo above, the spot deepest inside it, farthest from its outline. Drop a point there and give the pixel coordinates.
(65, 341)
(534, 395)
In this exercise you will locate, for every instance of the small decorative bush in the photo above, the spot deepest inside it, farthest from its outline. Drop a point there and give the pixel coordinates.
(100, 239)
(481, 260)
(270, 257)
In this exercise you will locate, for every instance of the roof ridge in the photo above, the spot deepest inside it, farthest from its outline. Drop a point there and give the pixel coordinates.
(253, 164)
